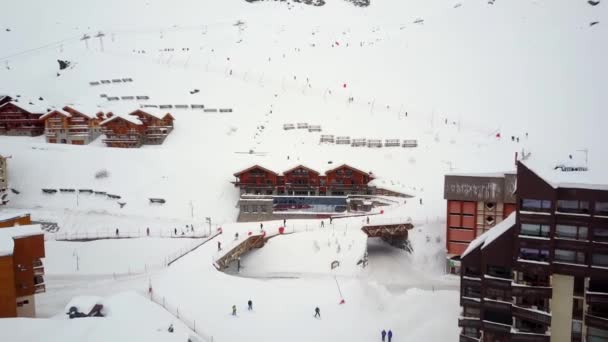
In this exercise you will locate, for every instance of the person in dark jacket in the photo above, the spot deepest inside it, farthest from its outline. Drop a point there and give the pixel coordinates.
(249, 305)
(116, 231)
(234, 310)
(390, 335)
(317, 312)
(383, 333)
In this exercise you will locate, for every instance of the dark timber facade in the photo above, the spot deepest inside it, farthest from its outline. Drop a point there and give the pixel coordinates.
(545, 276)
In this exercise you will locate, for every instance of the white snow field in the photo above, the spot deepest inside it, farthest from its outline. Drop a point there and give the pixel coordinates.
(527, 69)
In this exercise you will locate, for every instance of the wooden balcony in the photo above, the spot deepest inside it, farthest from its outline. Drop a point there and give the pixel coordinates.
(40, 288)
(38, 268)
(596, 297)
(496, 327)
(529, 337)
(496, 305)
(496, 282)
(596, 321)
(465, 338)
(537, 291)
(535, 316)
(467, 301)
(469, 322)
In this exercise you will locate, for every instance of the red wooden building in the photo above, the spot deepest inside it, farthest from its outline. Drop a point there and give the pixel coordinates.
(20, 119)
(345, 180)
(157, 126)
(21, 270)
(257, 180)
(123, 131)
(300, 180)
(71, 126)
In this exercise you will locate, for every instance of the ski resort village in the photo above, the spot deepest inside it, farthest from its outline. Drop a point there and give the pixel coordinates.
(304, 170)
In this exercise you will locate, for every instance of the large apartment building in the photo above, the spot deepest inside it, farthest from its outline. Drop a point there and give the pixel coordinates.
(21, 270)
(475, 204)
(541, 274)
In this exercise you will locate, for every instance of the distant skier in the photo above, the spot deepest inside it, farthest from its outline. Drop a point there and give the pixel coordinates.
(383, 333)
(148, 231)
(238, 264)
(421, 201)
(219, 246)
(322, 224)
(284, 222)
(234, 310)
(175, 231)
(331, 219)
(368, 220)
(249, 305)
(317, 312)
(261, 226)
(117, 232)
(170, 328)
(236, 235)
(390, 335)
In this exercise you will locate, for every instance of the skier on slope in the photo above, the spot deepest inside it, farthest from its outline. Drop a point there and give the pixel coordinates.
(383, 333)
(234, 310)
(249, 305)
(390, 335)
(317, 312)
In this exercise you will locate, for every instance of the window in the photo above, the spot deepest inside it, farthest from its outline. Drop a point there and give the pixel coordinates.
(500, 272)
(534, 254)
(535, 229)
(571, 232)
(471, 291)
(596, 334)
(496, 294)
(573, 206)
(574, 257)
(471, 312)
(471, 332)
(535, 205)
(601, 208)
(599, 259)
(577, 327)
(471, 271)
(600, 234)
(577, 308)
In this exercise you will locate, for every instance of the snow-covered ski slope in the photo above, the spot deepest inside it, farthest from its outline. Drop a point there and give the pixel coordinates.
(511, 67)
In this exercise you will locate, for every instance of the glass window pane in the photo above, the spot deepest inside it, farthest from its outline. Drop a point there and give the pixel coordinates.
(565, 231)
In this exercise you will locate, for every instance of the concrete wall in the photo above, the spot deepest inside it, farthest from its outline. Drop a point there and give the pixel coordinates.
(561, 307)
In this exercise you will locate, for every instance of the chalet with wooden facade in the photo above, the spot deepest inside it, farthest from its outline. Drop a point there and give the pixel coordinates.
(122, 131)
(21, 270)
(475, 204)
(257, 180)
(157, 127)
(136, 129)
(302, 180)
(541, 274)
(71, 126)
(20, 119)
(346, 180)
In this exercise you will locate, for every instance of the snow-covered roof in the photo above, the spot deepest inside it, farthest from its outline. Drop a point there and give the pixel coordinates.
(85, 110)
(596, 178)
(159, 114)
(56, 111)
(482, 174)
(302, 166)
(129, 118)
(391, 186)
(7, 216)
(34, 106)
(8, 234)
(488, 237)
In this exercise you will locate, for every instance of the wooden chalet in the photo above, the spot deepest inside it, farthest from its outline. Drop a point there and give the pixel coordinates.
(4, 99)
(123, 131)
(345, 179)
(18, 119)
(21, 270)
(300, 180)
(70, 126)
(157, 127)
(256, 180)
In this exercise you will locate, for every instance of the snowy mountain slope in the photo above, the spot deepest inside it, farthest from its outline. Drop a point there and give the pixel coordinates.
(481, 68)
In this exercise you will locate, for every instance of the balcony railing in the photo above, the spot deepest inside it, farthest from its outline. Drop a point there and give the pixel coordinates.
(39, 288)
(496, 304)
(596, 297)
(496, 327)
(465, 338)
(533, 315)
(469, 322)
(529, 337)
(596, 321)
(519, 290)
